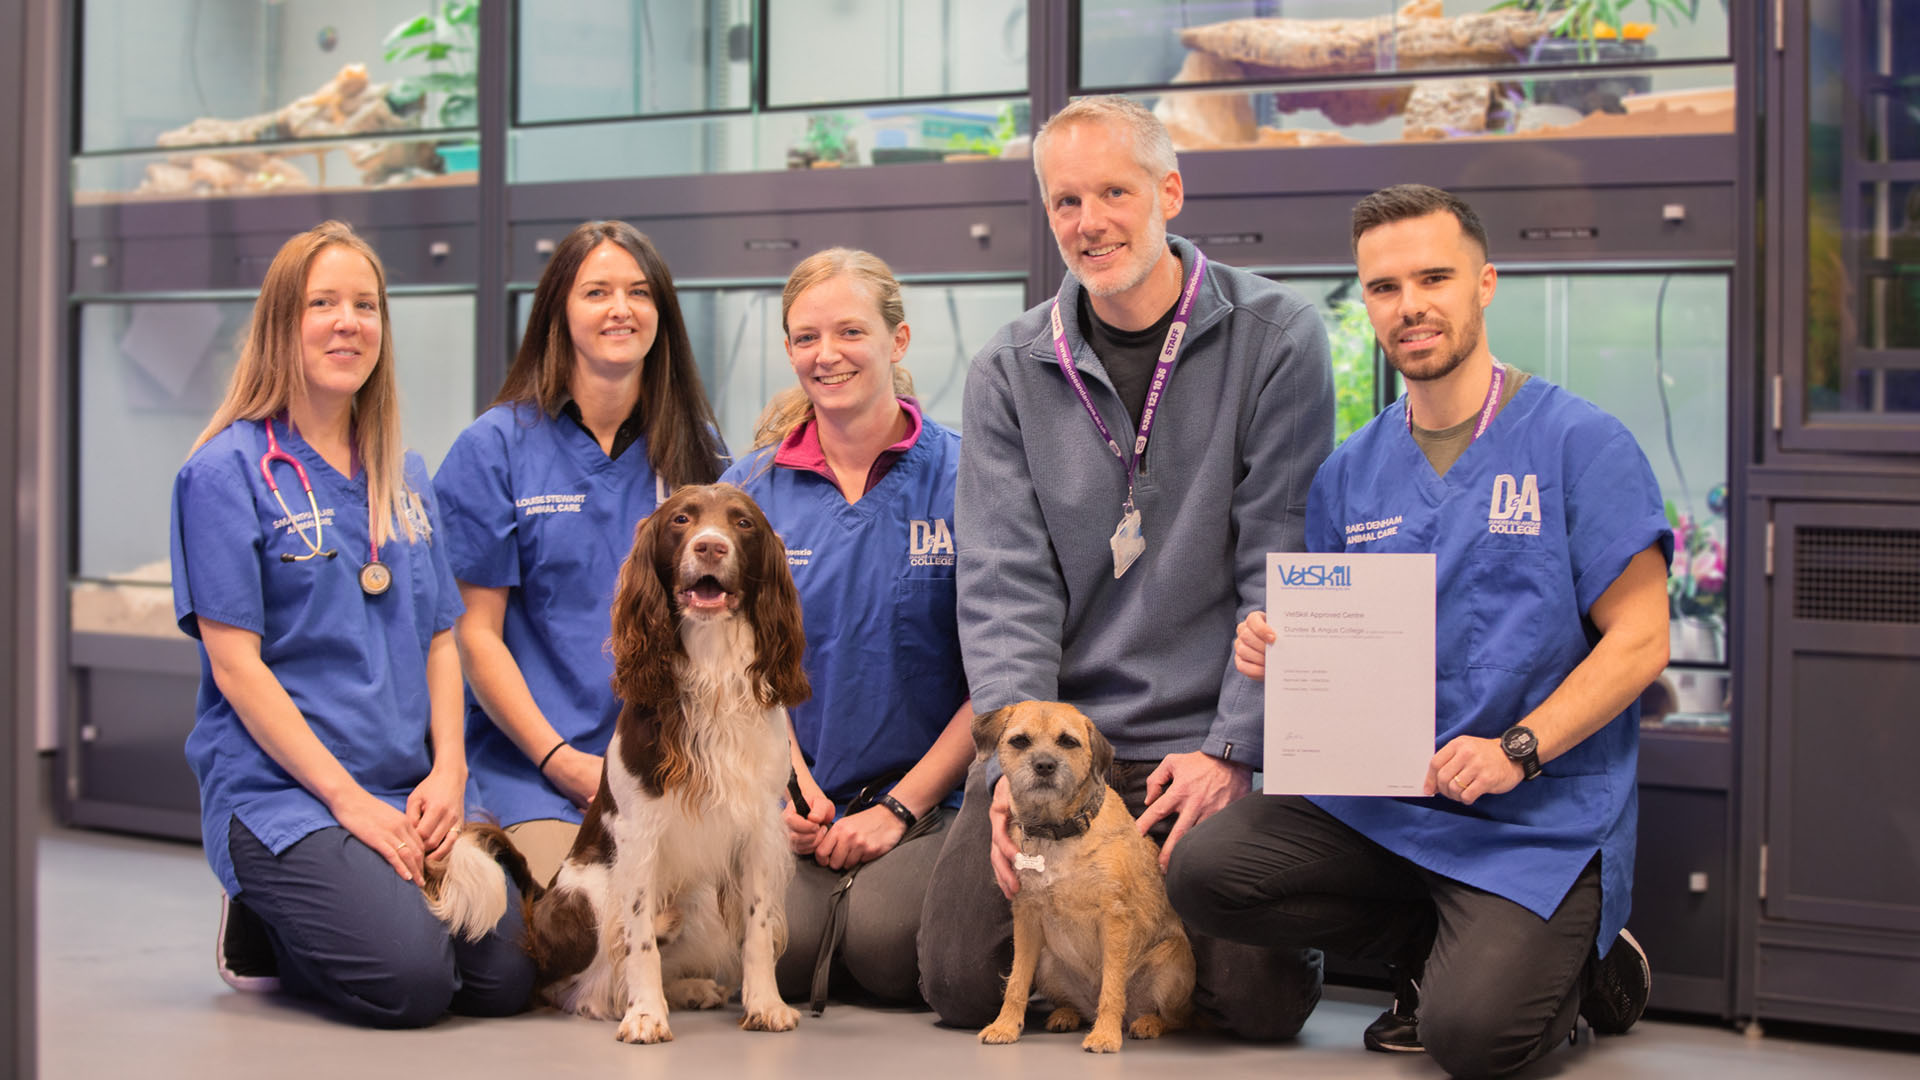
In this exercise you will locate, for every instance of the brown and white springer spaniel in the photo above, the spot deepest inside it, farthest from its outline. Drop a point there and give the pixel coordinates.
(674, 891)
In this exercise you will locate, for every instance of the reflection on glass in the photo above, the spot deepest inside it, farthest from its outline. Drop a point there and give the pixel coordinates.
(1863, 210)
(188, 74)
(598, 59)
(152, 373)
(749, 142)
(1313, 64)
(873, 50)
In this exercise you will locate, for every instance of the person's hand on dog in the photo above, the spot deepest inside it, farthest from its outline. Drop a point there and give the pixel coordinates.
(1469, 767)
(436, 806)
(1193, 787)
(859, 838)
(384, 829)
(576, 773)
(805, 833)
(1250, 641)
(1001, 852)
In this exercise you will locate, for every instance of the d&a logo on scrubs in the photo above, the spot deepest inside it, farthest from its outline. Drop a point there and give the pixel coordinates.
(929, 543)
(1515, 509)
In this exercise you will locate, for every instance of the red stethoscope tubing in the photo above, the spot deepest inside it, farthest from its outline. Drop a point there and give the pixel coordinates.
(267, 460)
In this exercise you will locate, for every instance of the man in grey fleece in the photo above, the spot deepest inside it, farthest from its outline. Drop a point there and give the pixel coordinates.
(1105, 562)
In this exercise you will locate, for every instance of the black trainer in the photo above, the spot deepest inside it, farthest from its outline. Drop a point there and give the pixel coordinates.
(242, 952)
(1397, 1031)
(1617, 986)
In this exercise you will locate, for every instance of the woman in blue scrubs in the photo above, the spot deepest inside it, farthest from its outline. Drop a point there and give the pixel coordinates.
(859, 484)
(601, 415)
(328, 734)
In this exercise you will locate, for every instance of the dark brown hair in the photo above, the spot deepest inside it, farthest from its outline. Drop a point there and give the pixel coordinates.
(1403, 201)
(683, 443)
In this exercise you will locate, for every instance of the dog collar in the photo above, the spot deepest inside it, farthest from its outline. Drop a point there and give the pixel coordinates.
(1072, 826)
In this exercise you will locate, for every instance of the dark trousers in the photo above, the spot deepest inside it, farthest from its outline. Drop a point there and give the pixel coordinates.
(882, 920)
(349, 931)
(966, 937)
(1499, 986)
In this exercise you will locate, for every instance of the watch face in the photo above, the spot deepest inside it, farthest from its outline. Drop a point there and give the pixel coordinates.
(1518, 742)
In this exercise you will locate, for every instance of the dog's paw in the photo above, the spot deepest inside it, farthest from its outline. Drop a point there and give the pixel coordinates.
(1064, 1018)
(1148, 1026)
(1102, 1041)
(1000, 1033)
(639, 1027)
(695, 994)
(777, 1017)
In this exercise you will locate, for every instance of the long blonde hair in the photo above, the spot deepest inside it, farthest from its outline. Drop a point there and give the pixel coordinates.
(791, 408)
(269, 375)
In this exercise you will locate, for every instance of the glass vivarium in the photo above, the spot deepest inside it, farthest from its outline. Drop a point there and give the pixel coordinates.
(1863, 212)
(186, 98)
(1334, 72)
(150, 376)
(630, 88)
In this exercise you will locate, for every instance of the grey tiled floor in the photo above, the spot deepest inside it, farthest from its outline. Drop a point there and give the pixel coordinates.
(127, 989)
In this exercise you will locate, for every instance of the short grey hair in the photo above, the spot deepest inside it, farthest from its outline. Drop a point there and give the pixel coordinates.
(1152, 147)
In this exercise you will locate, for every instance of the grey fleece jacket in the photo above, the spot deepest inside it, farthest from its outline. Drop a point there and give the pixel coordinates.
(1245, 420)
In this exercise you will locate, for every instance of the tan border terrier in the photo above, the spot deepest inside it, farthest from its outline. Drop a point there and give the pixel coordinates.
(1092, 927)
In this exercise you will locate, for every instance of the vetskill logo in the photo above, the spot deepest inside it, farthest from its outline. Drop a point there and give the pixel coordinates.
(1317, 576)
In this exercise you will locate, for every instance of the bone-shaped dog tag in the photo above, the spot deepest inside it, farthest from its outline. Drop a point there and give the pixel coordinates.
(1024, 861)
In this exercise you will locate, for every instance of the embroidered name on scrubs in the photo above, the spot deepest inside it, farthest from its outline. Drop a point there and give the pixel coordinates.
(929, 543)
(551, 504)
(1515, 509)
(304, 519)
(1360, 532)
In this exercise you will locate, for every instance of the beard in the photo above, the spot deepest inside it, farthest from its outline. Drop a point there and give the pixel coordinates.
(1445, 363)
(1144, 251)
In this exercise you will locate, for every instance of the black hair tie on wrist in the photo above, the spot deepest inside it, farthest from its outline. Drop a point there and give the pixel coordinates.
(897, 809)
(550, 753)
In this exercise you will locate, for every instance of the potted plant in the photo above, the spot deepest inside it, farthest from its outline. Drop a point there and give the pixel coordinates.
(1697, 590)
(447, 37)
(1596, 31)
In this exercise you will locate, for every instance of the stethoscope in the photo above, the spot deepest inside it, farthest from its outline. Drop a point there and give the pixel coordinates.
(375, 578)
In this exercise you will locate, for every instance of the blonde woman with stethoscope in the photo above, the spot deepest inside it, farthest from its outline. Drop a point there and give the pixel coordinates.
(328, 742)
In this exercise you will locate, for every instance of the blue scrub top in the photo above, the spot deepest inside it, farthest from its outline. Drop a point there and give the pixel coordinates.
(877, 598)
(1536, 519)
(534, 506)
(355, 665)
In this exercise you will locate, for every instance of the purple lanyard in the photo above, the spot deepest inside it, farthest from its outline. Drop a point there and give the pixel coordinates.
(1486, 410)
(1169, 354)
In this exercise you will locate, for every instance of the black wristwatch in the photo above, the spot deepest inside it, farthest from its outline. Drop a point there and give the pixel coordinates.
(1523, 749)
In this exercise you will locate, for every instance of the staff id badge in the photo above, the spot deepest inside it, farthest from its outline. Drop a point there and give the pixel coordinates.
(1126, 542)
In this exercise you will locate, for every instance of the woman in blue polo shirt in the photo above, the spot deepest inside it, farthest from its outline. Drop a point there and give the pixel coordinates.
(860, 486)
(327, 739)
(602, 414)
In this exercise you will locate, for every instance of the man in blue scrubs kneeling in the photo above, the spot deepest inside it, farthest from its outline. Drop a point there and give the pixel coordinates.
(1500, 899)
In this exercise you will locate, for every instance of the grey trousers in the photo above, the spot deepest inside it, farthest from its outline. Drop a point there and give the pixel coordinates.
(349, 931)
(883, 918)
(1499, 986)
(966, 937)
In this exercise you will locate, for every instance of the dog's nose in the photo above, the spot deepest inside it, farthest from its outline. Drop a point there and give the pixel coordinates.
(1043, 767)
(711, 548)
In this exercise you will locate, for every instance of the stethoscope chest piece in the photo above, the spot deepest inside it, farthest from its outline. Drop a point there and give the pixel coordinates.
(375, 578)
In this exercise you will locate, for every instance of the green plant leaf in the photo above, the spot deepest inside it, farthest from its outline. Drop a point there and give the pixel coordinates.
(415, 27)
(463, 14)
(432, 50)
(448, 81)
(406, 91)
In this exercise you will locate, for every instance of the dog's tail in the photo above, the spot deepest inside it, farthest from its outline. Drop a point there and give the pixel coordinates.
(464, 888)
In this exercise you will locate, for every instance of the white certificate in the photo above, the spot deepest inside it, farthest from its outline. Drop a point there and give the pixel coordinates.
(1350, 679)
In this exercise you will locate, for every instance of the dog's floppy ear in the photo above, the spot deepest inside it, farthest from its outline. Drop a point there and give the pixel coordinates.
(643, 641)
(987, 727)
(1101, 749)
(779, 637)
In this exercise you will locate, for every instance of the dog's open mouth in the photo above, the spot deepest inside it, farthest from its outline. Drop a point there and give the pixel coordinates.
(707, 596)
